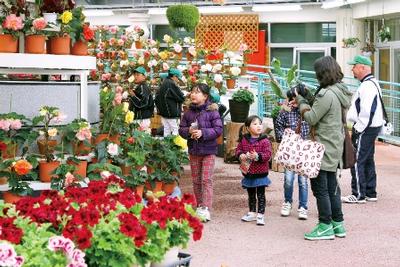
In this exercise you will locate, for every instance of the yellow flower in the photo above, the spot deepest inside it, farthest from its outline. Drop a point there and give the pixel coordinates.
(105, 89)
(129, 117)
(131, 79)
(52, 132)
(163, 55)
(179, 141)
(66, 17)
(125, 107)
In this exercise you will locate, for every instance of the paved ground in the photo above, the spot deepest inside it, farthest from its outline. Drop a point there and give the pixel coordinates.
(373, 229)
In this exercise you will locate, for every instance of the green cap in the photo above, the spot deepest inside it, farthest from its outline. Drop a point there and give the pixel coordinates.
(175, 72)
(360, 60)
(140, 70)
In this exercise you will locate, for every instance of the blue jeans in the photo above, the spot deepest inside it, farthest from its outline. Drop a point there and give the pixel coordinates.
(303, 188)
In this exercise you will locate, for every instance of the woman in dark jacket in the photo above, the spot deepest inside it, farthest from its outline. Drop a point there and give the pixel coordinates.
(201, 125)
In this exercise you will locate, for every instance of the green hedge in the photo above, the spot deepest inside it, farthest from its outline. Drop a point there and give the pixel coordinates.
(183, 16)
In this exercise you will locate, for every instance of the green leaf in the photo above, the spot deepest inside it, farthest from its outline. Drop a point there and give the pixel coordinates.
(291, 74)
(276, 64)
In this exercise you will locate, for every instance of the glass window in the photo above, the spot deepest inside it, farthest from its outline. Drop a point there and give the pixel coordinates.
(384, 65)
(394, 26)
(285, 55)
(303, 32)
(160, 30)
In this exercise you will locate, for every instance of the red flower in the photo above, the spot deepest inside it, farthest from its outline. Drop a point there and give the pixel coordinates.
(3, 146)
(130, 140)
(88, 33)
(130, 226)
(9, 231)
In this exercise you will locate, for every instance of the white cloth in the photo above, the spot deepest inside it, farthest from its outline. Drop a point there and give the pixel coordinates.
(365, 95)
(171, 126)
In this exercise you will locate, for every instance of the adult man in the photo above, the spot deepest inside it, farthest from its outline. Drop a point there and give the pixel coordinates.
(141, 99)
(169, 101)
(367, 115)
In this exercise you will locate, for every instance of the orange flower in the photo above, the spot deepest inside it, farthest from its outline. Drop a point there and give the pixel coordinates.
(22, 167)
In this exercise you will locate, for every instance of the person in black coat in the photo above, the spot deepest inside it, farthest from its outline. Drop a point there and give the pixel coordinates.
(169, 101)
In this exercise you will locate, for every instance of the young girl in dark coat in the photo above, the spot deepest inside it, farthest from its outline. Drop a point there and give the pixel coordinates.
(201, 125)
(254, 151)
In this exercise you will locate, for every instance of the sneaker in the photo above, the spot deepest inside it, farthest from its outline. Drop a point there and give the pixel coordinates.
(260, 219)
(286, 208)
(351, 199)
(371, 199)
(249, 217)
(338, 229)
(302, 213)
(203, 213)
(207, 214)
(321, 232)
(361, 201)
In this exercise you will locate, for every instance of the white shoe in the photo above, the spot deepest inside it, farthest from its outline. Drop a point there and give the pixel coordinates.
(249, 217)
(260, 219)
(371, 199)
(286, 208)
(204, 214)
(302, 213)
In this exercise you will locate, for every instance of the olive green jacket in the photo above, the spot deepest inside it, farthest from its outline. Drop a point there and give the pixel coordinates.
(325, 115)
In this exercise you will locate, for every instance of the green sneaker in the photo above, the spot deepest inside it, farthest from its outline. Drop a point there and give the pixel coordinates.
(321, 232)
(338, 228)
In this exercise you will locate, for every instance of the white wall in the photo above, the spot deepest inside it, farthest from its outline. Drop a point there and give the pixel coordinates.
(373, 8)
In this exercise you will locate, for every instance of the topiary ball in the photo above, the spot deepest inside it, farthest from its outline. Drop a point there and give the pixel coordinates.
(183, 16)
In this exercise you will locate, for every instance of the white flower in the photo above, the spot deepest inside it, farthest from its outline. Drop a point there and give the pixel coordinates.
(105, 174)
(230, 54)
(125, 95)
(167, 38)
(187, 40)
(216, 68)
(218, 78)
(203, 68)
(131, 79)
(165, 66)
(177, 48)
(41, 132)
(112, 149)
(183, 79)
(152, 63)
(52, 132)
(181, 68)
(124, 63)
(154, 51)
(209, 67)
(60, 117)
(152, 42)
(192, 50)
(235, 71)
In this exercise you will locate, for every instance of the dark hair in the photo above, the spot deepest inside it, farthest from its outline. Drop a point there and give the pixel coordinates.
(328, 71)
(243, 129)
(204, 88)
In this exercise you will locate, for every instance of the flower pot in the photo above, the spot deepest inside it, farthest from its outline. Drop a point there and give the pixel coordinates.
(170, 257)
(139, 190)
(218, 85)
(115, 139)
(46, 169)
(41, 143)
(178, 56)
(149, 170)
(80, 48)
(126, 170)
(50, 17)
(100, 138)
(10, 151)
(60, 45)
(230, 83)
(243, 70)
(3, 180)
(168, 188)
(156, 188)
(10, 197)
(80, 149)
(35, 44)
(239, 110)
(8, 44)
(138, 45)
(189, 56)
(81, 167)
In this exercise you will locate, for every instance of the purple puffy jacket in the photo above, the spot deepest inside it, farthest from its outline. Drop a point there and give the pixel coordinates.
(210, 124)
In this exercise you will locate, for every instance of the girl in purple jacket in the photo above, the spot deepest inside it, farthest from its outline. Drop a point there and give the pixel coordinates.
(254, 151)
(201, 125)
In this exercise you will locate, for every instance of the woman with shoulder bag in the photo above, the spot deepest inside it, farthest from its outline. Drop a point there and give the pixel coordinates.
(325, 117)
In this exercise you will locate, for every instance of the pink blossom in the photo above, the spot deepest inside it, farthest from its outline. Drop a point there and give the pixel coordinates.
(119, 89)
(15, 124)
(76, 264)
(112, 41)
(69, 179)
(84, 134)
(113, 29)
(121, 42)
(124, 38)
(137, 28)
(19, 260)
(152, 42)
(39, 24)
(5, 125)
(77, 256)
(177, 48)
(60, 117)
(165, 66)
(117, 99)
(243, 47)
(106, 76)
(61, 243)
(112, 149)
(7, 255)
(100, 55)
(12, 22)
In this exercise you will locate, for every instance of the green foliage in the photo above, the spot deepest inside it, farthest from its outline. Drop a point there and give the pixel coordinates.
(350, 42)
(243, 95)
(94, 169)
(183, 16)
(136, 177)
(58, 180)
(384, 34)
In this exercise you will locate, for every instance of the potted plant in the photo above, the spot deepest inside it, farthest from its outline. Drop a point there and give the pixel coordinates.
(234, 72)
(81, 33)
(384, 34)
(50, 8)
(368, 49)
(136, 33)
(245, 51)
(65, 175)
(136, 179)
(60, 42)
(11, 27)
(183, 16)
(35, 35)
(240, 103)
(47, 141)
(350, 42)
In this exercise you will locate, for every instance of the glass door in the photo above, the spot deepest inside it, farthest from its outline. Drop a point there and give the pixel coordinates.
(305, 58)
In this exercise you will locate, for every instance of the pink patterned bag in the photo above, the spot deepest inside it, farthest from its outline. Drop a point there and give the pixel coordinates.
(301, 156)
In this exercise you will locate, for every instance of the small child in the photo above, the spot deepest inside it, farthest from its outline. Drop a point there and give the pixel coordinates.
(289, 119)
(201, 125)
(141, 99)
(254, 151)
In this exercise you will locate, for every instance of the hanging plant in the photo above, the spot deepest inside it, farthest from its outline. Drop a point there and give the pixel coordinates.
(368, 49)
(350, 42)
(183, 16)
(384, 34)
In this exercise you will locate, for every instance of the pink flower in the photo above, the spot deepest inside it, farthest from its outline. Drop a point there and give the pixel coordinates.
(19, 260)
(7, 255)
(84, 134)
(77, 256)
(12, 22)
(75, 264)
(39, 24)
(121, 42)
(61, 243)
(60, 117)
(165, 66)
(106, 76)
(69, 179)
(119, 89)
(117, 99)
(5, 125)
(15, 124)
(243, 47)
(113, 29)
(112, 149)
(124, 38)
(112, 41)
(177, 48)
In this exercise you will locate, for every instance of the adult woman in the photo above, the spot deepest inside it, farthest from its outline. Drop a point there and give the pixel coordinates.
(324, 115)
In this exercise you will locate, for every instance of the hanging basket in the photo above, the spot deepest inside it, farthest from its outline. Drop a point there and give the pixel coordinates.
(8, 44)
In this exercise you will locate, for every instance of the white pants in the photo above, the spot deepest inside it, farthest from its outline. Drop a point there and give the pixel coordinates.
(144, 125)
(171, 126)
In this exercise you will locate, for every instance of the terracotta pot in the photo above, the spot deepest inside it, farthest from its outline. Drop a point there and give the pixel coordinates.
(60, 45)
(243, 70)
(100, 137)
(157, 186)
(3, 180)
(139, 190)
(79, 149)
(41, 143)
(10, 197)
(169, 188)
(46, 169)
(81, 167)
(126, 170)
(138, 45)
(10, 151)
(218, 85)
(8, 44)
(115, 139)
(230, 83)
(150, 170)
(80, 48)
(35, 44)
(189, 56)
(178, 56)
